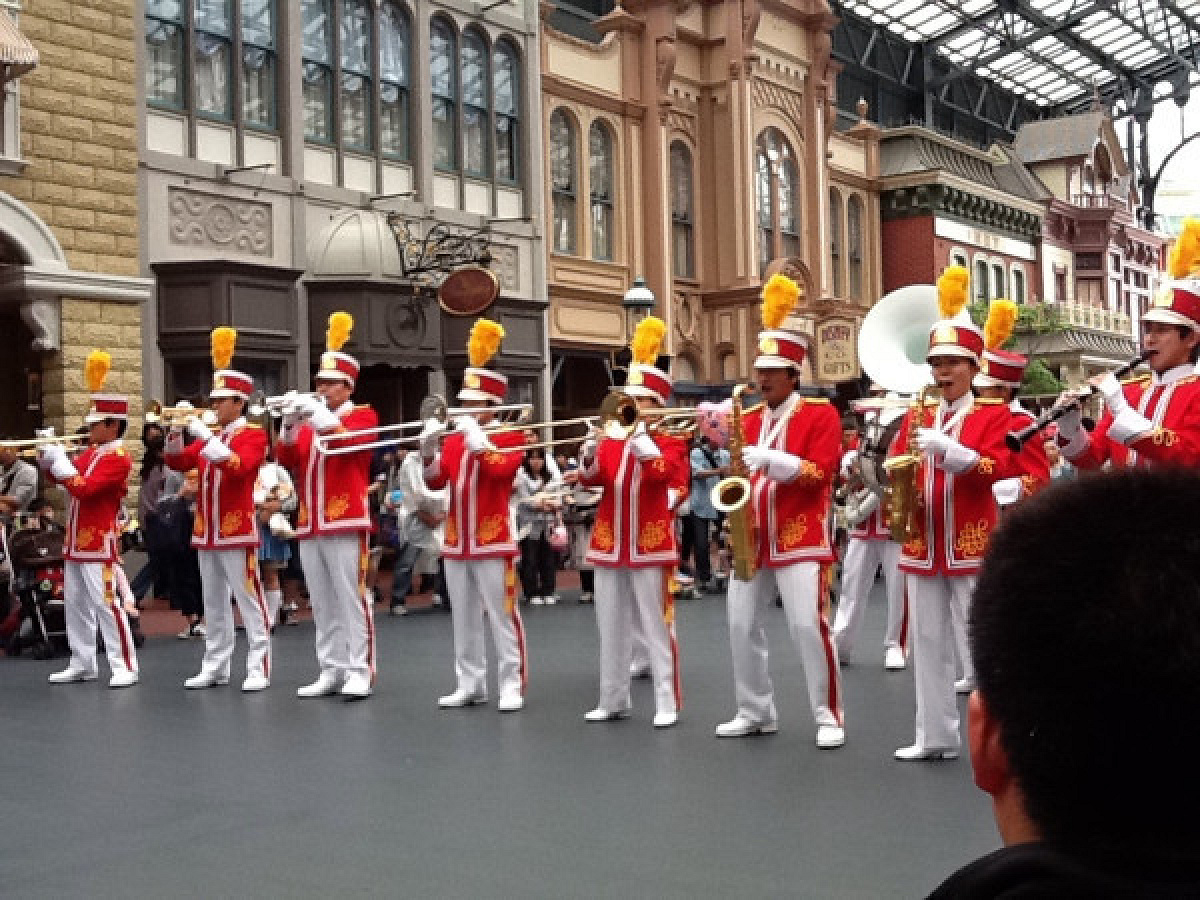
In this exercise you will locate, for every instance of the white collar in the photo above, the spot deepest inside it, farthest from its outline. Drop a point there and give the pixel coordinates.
(1172, 375)
(964, 401)
(344, 408)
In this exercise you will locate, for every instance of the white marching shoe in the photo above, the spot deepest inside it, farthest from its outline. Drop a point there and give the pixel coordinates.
(964, 685)
(600, 714)
(123, 679)
(461, 698)
(71, 674)
(205, 680)
(830, 736)
(357, 687)
(740, 726)
(254, 683)
(327, 683)
(894, 659)
(511, 701)
(665, 719)
(915, 753)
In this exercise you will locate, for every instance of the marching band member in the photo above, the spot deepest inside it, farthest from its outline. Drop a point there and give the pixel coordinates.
(479, 467)
(869, 546)
(1154, 419)
(95, 484)
(961, 442)
(225, 533)
(792, 450)
(333, 521)
(633, 541)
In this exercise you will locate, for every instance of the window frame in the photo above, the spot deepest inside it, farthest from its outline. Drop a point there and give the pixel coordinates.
(572, 133)
(683, 224)
(856, 246)
(603, 205)
(438, 22)
(837, 212)
(472, 34)
(504, 46)
(773, 239)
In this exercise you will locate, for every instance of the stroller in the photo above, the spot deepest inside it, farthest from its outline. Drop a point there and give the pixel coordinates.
(36, 551)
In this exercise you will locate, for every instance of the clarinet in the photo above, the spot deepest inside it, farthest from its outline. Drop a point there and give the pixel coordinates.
(1015, 440)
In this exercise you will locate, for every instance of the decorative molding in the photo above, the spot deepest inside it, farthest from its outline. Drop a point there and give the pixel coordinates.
(687, 314)
(199, 220)
(768, 94)
(507, 265)
(684, 122)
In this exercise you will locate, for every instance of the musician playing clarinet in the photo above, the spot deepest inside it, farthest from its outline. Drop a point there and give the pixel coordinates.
(1155, 418)
(961, 445)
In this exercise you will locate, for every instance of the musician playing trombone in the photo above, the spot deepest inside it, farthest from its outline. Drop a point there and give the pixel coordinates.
(333, 522)
(1154, 418)
(478, 467)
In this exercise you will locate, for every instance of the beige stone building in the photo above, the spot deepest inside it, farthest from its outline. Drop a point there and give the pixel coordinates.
(69, 248)
(695, 144)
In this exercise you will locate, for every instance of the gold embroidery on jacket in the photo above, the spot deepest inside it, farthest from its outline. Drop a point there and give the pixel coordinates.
(973, 538)
(335, 507)
(602, 536)
(792, 534)
(231, 523)
(652, 535)
(491, 529)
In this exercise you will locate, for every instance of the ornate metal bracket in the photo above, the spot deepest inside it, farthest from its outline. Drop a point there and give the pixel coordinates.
(441, 250)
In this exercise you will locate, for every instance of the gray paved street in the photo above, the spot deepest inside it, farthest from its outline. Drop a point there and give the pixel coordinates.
(159, 792)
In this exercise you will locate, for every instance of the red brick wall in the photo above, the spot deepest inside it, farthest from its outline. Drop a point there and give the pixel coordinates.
(908, 253)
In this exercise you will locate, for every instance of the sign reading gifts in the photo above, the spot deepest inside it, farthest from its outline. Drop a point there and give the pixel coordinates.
(836, 356)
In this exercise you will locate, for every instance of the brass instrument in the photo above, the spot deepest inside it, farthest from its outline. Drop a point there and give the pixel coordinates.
(178, 415)
(278, 405)
(731, 495)
(29, 447)
(904, 478)
(620, 416)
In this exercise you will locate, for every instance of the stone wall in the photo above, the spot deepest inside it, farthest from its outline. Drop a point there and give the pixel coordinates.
(79, 137)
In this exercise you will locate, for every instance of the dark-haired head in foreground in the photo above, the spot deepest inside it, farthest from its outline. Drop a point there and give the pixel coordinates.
(1085, 728)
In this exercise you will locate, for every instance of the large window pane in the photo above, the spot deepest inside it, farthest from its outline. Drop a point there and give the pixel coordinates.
(600, 170)
(393, 45)
(505, 85)
(393, 122)
(210, 73)
(444, 135)
(356, 112)
(835, 241)
(318, 36)
(165, 9)
(475, 101)
(854, 234)
(214, 16)
(258, 86)
(258, 23)
(682, 252)
(442, 73)
(164, 64)
(563, 181)
(318, 103)
(356, 36)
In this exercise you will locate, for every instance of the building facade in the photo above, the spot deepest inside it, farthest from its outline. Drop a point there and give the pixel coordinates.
(694, 144)
(306, 156)
(69, 247)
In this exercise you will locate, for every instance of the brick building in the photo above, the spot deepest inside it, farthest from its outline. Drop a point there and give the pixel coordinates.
(69, 247)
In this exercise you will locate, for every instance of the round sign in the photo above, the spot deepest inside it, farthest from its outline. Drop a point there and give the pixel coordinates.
(469, 291)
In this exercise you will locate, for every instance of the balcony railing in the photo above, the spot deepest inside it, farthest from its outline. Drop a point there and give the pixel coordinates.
(1098, 201)
(1078, 316)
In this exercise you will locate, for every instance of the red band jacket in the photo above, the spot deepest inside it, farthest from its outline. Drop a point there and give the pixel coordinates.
(1031, 465)
(95, 496)
(225, 499)
(957, 512)
(635, 523)
(479, 521)
(793, 516)
(331, 489)
(1172, 404)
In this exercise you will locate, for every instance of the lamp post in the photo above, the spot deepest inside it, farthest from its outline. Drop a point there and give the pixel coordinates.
(637, 304)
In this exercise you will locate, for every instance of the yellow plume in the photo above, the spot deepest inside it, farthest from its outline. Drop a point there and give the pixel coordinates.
(647, 340)
(95, 370)
(223, 341)
(1002, 316)
(340, 324)
(952, 291)
(484, 341)
(779, 298)
(1185, 255)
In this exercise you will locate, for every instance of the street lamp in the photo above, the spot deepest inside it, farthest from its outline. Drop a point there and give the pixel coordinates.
(637, 303)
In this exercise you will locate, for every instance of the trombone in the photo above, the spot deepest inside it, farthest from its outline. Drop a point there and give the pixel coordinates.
(620, 416)
(28, 447)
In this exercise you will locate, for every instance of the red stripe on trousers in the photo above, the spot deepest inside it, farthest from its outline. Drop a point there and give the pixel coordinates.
(669, 612)
(111, 602)
(364, 557)
(831, 664)
(510, 589)
(256, 585)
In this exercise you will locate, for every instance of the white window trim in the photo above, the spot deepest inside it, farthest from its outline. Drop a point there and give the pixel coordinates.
(11, 162)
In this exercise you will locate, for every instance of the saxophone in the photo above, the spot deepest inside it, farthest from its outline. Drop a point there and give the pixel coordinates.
(904, 479)
(731, 495)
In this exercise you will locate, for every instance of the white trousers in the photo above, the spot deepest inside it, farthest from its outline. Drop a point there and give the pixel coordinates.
(90, 601)
(623, 597)
(801, 586)
(863, 557)
(479, 588)
(234, 571)
(335, 570)
(961, 612)
(932, 601)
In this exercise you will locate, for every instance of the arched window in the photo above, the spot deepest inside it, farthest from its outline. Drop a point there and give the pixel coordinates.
(475, 92)
(600, 170)
(318, 70)
(854, 239)
(395, 53)
(443, 75)
(563, 180)
(999, 280)
(506, 91)
(191, 49)
(981, 280)
(682, 212)
(777, 197)
(357, 98)
(836, 241)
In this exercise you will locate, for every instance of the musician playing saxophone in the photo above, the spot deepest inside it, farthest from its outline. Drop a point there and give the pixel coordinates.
(962, 449)
(633, 542)
(1154, 419)
(792, 448)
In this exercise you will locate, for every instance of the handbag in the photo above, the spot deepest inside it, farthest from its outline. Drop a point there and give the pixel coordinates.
(559, 539)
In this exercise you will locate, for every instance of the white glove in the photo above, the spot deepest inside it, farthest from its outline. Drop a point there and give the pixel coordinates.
(430, 436)
(320, 416)
(1128, 425)
(60, 467)
(474, 438)
(198, 429)
(644, 447)
(215, 450)
(1114, 396)
(934, 443)
(44, 432)
(775, 464)
(947, 453)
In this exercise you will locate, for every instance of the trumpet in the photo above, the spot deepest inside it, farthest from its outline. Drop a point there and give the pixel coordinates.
(177, 416)
(278, 405)
(28, 448)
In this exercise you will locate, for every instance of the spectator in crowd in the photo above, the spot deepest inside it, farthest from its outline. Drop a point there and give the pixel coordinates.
(176, 514)
(1075, 629)
(153, 476)
(535, 491)
(18, 482)
(420, 513)
(709, 465)
(1059, 466)
(275, 501)
(579, 513)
